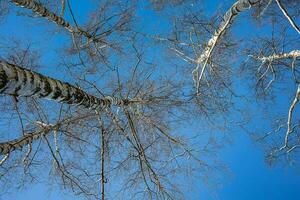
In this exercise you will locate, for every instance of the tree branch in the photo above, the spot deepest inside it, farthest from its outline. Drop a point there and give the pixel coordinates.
(289, 120)
(5, 157)
(292, 54)
(9, 146)
(286, 14)
(101, 124)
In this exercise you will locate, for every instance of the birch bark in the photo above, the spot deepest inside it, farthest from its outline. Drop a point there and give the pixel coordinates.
(17, 81)
(229, 17)
(40, 10)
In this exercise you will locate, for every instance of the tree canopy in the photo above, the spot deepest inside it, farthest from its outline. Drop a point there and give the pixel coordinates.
(136, 99)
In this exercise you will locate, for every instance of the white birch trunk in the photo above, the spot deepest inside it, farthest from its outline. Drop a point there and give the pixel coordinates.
(40, 10)
(292, 54)
(17, 81)
(228, 19)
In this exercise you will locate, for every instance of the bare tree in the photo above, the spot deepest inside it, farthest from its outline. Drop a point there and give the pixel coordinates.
(114, 127)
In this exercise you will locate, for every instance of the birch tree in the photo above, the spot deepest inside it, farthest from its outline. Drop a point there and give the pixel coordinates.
(107, 116)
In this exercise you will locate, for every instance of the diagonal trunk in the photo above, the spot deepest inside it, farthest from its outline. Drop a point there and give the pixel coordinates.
(18, 144)
(17, 81)
(40, 10)
(43, 130)
(228, 19)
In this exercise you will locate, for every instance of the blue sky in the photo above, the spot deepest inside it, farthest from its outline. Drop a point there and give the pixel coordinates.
(250, 178)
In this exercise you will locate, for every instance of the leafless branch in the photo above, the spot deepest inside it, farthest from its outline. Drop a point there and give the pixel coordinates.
(286, 14)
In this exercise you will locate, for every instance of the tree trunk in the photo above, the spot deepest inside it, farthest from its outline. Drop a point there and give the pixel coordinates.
(18, 144)
(228, 19)
(40, 10)
(17, 81)
(43, 12)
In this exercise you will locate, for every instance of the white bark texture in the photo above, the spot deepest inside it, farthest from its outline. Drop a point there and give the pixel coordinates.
(292, 54)
(284, 11)
(18, 144)
(40, 10)
(17, 81)
(228, 19)
(41, 131)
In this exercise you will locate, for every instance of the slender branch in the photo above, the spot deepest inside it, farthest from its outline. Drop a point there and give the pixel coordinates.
(55, 137)
(63, 6)
(26, 157)
(142, 155)
(289, 120)
(2, 161)
(66, 174)
(102, 164)
(101, 124)
(122, 130)
(286, 14)
(183, 56)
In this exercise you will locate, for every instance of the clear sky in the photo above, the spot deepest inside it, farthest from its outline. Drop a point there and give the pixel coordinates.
(249, 179)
